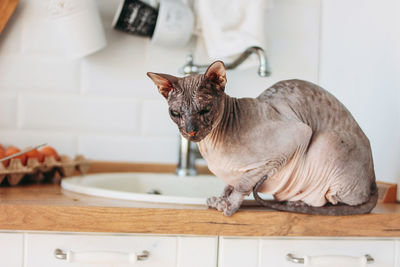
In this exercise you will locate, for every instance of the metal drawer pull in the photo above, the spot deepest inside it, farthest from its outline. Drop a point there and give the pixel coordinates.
(101, 256)
(321, 260)
(291, 258)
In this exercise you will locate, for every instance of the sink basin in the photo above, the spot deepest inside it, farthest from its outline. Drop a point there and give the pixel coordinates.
(149, 187)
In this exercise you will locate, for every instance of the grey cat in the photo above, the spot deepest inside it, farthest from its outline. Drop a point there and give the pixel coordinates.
(295, 141)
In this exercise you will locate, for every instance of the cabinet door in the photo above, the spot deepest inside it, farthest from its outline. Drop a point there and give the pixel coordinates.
(237, 252)
(332, 252)
(275, 251)
(197, 251)
(11, 249)
(166, 251)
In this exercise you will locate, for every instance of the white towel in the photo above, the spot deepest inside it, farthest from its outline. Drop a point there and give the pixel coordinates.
(228, 27)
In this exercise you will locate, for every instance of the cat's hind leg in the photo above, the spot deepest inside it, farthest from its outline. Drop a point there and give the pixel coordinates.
(350, 156)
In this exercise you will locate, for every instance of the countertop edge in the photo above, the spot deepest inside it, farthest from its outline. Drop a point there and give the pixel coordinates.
(193, 222)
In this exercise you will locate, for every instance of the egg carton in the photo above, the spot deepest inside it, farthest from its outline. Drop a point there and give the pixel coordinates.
(48, 170)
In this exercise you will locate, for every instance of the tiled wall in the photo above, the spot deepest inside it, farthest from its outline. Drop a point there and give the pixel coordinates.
(105, 107)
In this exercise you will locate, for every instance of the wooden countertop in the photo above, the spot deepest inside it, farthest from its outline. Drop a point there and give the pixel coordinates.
(49, 208)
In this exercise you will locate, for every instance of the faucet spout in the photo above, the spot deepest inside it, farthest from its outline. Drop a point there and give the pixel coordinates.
(186, 159)
(263, 68)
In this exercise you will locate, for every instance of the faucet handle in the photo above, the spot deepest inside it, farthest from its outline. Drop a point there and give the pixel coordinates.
(189, 67)
(189, 59)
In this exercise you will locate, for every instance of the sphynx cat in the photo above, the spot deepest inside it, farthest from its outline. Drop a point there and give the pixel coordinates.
(295, 141)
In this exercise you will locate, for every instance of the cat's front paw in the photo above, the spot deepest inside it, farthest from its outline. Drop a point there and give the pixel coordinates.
(221, 204)
(229, 210)
(211, 202)
(216, 202)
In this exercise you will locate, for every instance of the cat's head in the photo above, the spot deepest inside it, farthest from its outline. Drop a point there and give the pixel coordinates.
(195, 101)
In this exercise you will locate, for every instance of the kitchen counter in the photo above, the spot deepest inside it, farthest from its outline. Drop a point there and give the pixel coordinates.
(50, 208)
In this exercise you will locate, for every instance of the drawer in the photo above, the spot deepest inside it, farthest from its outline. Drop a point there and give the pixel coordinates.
(164, 251)
(273, 252)
(11, 249)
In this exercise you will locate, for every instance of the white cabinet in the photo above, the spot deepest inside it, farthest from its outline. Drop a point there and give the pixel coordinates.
(166, 251)
(238, 252)
(11, 249)
(197, 251)
(261, 252)
(37, 250)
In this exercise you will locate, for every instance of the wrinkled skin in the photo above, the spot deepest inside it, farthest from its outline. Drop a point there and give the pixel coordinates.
(197, 113)
(295, 133)
(189, 98)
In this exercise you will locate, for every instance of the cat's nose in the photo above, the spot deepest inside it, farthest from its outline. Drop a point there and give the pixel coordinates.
(192, 133)
(191, 128)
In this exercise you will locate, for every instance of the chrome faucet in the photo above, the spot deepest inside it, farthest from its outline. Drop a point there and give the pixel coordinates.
(187, 152)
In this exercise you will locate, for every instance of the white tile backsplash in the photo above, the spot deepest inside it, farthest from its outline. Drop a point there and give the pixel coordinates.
(167, 59)
(292, 32)
(105, 106)
(156, 120)
(360, 65)
(130, 148)
(119, 69)
(80, 114)
(33, 73)
(8, 111)
(292, 48)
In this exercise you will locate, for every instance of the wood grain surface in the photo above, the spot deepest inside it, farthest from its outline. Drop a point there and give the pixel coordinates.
(7, 8)
(49, 208)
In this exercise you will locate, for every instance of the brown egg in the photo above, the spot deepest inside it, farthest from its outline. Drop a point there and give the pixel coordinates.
(48, 151)
(2, 155)
(12, 150)
(35, 154)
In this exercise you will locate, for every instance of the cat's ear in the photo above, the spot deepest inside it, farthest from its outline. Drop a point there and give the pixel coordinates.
(216, 73)
(164, 82)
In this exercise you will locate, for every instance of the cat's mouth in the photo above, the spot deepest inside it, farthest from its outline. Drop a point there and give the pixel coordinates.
(194, 138)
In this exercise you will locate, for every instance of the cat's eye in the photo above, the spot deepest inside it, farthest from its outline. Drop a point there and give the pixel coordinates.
(205, 110)
(175, 113)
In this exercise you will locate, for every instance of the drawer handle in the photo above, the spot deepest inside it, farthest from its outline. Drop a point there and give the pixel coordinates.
(101, 256)
(321, 260)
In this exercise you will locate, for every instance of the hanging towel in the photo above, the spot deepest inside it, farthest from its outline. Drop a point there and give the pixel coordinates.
(228, 27)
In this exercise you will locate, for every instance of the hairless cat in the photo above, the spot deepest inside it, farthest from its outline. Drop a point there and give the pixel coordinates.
(295, 141)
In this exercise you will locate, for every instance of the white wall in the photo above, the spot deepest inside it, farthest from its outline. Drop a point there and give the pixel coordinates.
(360, 65)
(105, 107)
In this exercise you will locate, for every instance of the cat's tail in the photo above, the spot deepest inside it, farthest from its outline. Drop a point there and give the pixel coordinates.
(328, 209)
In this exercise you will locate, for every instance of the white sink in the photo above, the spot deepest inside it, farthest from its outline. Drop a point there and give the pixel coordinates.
(149, 187)
(142, 186)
